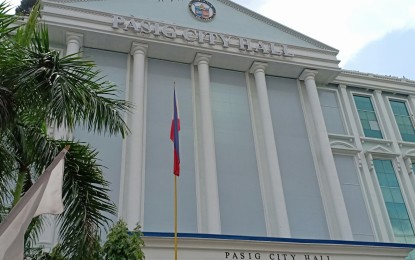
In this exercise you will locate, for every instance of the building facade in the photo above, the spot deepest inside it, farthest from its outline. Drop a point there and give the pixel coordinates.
(284, 155)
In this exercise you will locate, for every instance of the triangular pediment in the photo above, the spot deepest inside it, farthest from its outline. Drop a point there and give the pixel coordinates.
(230, 18)
(380, 149)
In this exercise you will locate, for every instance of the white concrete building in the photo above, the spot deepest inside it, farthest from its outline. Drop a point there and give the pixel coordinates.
(284, 155)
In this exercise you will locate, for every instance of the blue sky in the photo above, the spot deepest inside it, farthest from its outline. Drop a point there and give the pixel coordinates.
(375, 36)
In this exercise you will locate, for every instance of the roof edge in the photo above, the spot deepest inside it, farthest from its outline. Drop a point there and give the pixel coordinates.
(377, 76)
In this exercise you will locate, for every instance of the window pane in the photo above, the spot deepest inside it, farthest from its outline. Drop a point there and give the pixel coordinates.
(397, 228)
(331, 112)
(403, 120)
(407, 228)
(387, 196)
(395, 205)
(396, 195)
(367, 117)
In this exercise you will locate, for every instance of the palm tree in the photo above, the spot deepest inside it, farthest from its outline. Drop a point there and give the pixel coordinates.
(39, 89)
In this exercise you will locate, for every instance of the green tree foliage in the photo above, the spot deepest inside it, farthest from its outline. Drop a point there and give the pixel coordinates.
(25, 7)
(121, 245)
(40, 89)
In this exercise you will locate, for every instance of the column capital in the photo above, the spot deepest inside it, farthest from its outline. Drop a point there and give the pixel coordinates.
(307, 73)
(138, 47)
(258, 66)
(342, 86)
(202, 58)
(74, 37)
(377, 91)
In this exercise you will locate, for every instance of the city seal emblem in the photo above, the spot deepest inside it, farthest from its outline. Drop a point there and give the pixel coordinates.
(202, 9)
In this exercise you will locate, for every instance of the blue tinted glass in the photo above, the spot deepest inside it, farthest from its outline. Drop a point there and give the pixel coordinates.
(407, 227)
(395, 205)
(378, 166)
(387, 196)
(401, 211)
(390, 206)
(367, 116)
(391, 180)
(396, 195)
(403, 120)
(397, 228)
(387, 166)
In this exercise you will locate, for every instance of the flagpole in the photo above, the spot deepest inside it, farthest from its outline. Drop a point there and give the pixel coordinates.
(175, 217)
(175, 189)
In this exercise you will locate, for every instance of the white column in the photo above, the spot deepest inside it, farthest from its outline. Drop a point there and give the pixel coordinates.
(73, 42)
(336, 212)
(134, 143)
(278, 225)
(211, 222)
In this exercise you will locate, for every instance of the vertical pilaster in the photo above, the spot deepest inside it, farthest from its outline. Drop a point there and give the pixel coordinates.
(336, 212)
(408, 161)
(134, 143)
(386, 120)
(276, 213)
(211, 222)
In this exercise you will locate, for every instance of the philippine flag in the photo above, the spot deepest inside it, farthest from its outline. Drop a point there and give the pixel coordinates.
(174, 136)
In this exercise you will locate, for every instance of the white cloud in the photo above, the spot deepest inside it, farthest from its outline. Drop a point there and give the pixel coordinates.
(344, 25)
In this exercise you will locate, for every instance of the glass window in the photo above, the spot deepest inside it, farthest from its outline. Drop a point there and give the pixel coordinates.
(367, 116)
(403, 120)
(331, 111)
(395, 205)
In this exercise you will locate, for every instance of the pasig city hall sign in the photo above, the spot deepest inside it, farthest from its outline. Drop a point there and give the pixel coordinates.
(192, 35)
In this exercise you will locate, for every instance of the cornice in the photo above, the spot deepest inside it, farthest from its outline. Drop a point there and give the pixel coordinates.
(326, 48)
(374, 81)
(59, 5)
(376, 76)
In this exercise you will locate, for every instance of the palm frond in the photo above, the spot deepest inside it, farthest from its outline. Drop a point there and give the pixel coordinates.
(7, 107)
(37, 87)
(25, 33)
(33, 232)
(7, 174)
(7, 21)
(68, 91)
(85, 198)
(85, 192)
